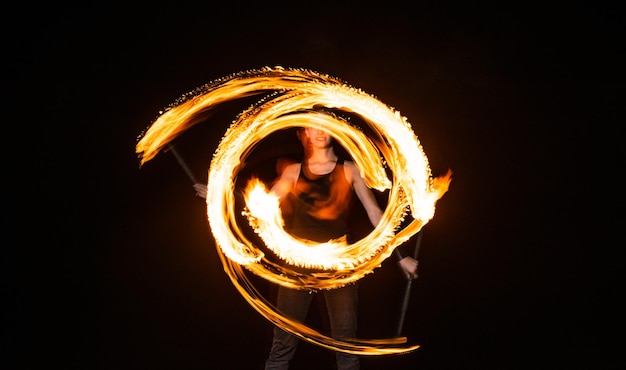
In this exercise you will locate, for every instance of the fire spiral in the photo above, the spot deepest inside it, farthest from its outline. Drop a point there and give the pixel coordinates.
(292, 98)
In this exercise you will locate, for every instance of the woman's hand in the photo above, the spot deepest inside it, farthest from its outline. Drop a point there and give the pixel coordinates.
(409, 267)
(201, 190)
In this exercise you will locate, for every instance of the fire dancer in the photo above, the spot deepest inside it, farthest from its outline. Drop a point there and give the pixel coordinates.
(315, 196)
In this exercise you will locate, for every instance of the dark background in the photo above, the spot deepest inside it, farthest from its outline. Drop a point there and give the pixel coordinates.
(111, 266)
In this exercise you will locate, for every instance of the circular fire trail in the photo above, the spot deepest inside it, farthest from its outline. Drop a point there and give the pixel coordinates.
(292, 98)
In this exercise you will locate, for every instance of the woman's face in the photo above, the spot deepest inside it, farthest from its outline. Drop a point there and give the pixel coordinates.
(317, 137)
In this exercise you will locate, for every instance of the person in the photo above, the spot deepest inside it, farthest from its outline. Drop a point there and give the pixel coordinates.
(315, 196)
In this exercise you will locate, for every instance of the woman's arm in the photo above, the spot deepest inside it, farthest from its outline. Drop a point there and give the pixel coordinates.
(285, 183)
(374, 213)
(365, 194)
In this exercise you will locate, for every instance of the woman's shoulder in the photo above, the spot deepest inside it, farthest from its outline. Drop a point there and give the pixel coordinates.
(292, 169)
(349, 164)
(350, 169)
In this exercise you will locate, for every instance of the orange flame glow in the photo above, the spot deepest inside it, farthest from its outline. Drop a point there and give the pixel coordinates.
(294, 95)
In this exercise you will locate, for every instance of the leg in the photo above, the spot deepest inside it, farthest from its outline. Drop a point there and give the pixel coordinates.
(294, 304)
(342, 313)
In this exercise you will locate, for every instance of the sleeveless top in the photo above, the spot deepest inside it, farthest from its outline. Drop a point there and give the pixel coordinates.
(321, 204)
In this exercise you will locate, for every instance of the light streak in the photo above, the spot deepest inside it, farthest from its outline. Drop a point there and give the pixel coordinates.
(290, 99)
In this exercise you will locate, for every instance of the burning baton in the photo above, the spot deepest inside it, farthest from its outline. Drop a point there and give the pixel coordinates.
(291, 99)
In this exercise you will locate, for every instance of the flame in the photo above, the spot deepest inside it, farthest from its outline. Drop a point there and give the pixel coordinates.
(290, 96)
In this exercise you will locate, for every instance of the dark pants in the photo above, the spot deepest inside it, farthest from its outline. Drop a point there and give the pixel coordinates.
(341, 305)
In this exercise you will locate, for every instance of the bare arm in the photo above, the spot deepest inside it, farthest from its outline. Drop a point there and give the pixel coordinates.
(365, 195)
(286, 181)
(374, 213)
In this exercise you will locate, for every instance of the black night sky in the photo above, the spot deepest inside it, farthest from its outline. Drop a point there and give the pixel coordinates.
(112, 266)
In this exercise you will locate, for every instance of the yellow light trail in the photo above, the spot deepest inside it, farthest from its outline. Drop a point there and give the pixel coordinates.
(290, 99)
